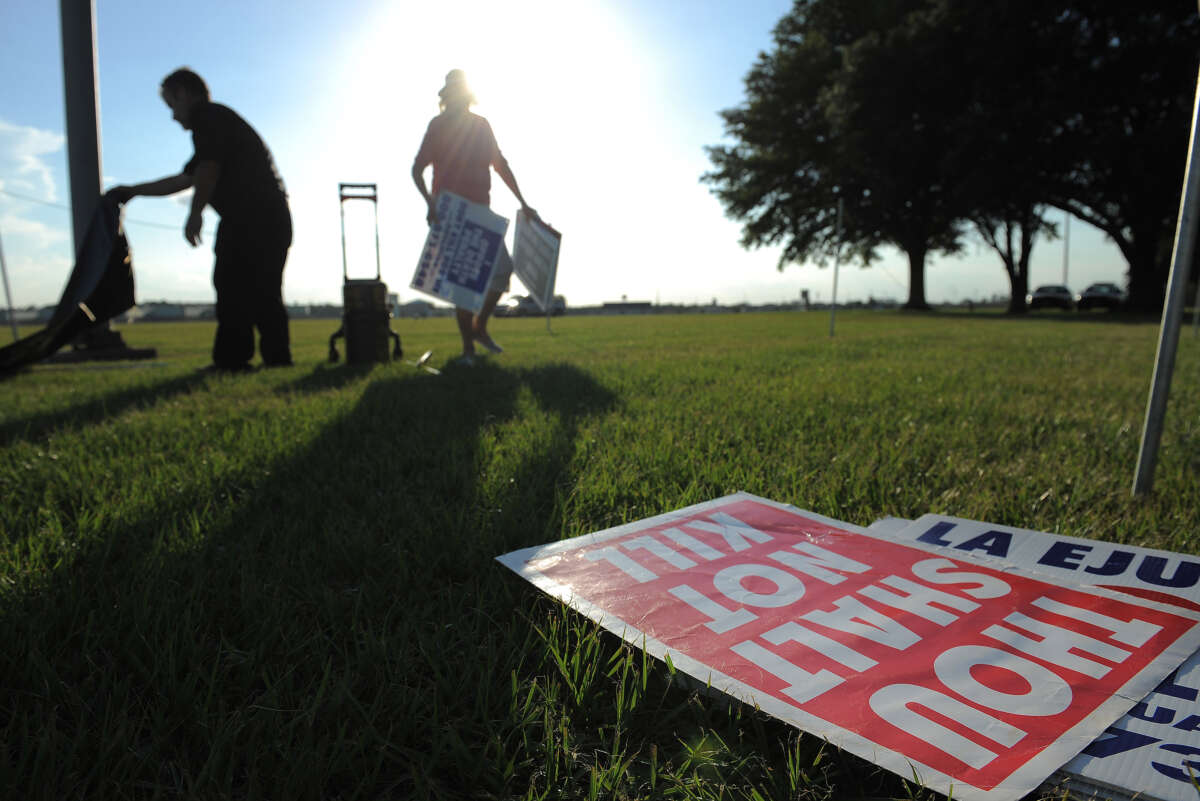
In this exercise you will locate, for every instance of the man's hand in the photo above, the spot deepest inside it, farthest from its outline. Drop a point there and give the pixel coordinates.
(191, 231)
(120, 194)
(431, 217)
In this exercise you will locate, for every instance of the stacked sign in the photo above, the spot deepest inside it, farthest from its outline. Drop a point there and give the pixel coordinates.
(535, 258)
(461, 252)
(1154, 750)
(974, 677)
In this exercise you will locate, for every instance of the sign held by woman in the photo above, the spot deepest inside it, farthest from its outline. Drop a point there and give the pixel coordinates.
(461, 251)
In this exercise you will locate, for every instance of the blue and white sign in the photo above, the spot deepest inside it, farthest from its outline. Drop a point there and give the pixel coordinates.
(460, 253)
(1153, 752)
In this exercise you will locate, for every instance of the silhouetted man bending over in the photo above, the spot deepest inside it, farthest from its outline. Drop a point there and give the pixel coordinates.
(232, 170)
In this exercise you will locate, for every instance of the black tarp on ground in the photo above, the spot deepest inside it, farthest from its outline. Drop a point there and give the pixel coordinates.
(100, 288)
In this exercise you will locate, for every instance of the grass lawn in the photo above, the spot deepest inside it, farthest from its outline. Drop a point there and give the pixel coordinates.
(281, 584)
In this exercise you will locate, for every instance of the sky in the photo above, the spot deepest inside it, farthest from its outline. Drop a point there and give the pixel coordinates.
(603, 109)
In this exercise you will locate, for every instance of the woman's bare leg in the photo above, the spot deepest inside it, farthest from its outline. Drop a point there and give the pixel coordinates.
(466, 330)
(480, 332)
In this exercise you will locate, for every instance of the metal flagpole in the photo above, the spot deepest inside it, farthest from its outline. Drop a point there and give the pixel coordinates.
(8, 294)
(1066, 245)
(837, 255)
(1168, 335)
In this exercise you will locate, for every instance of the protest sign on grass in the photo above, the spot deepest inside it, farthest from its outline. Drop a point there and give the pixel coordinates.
(972, 679)
(1152, 752)
(460, 253)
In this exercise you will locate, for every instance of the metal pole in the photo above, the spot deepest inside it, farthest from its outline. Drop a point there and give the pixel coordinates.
(837, 255)
(1066, 245)
(8, 295)
(375, 203)
(78, 19)
(342, 212)
(1168, 335)
(82, 96)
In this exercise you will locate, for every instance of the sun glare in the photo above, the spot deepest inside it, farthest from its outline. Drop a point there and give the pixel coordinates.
(533, 65)
(566, 87)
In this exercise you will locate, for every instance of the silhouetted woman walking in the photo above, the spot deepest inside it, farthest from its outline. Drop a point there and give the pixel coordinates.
(462, 149)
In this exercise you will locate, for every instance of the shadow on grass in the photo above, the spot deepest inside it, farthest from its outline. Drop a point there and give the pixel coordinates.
(325, 377)
(96, 409)
(339, 630)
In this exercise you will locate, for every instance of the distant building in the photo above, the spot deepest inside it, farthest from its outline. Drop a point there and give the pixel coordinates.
(28, 316)
(627, 307)
(132, 315)
(325, 311)
(415, 309)
(199, 311)
(162, 312)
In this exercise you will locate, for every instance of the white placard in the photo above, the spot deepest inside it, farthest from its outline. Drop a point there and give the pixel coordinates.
(461, 252)
(535, 258)
(1150, 752)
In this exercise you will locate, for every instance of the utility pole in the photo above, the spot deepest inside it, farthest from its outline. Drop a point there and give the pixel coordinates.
(77, 19)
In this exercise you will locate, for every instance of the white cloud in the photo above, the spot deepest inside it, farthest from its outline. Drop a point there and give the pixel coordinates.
(23, 165)
(34, 234)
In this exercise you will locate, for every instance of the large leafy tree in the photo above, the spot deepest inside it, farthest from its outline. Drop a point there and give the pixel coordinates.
(894, 107)
(1081, 106)
(1005, 129)
(1127, 81)
(822, 123)
(928, 116)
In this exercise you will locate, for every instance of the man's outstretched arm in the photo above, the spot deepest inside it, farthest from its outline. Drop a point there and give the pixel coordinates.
(160, 188)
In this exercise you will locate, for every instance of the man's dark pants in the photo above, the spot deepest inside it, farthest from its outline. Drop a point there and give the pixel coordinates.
(248, 277)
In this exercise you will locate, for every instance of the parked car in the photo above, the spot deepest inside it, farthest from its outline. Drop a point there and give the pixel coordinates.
(1101, 296)
(1052, 295)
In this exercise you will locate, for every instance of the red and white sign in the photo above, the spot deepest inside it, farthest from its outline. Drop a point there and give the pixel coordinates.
(977, 680)
(1151, 753)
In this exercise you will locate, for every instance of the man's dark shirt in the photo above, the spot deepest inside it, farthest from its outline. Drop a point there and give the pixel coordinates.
(249, 190)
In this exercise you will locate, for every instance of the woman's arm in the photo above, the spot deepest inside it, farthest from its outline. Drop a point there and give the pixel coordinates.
(506, 174)
(418, 176)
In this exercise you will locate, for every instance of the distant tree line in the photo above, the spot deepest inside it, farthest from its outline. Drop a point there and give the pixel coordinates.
(932, 120)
